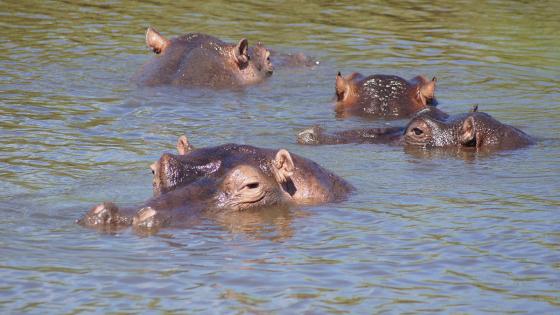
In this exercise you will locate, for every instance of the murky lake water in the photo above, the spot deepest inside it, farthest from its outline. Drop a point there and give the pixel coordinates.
(426, 232)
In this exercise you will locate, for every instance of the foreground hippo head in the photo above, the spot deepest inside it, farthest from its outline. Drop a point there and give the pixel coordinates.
(202, 60)
(472, 130)
(476, 129)
(383, 96)
(222, 179)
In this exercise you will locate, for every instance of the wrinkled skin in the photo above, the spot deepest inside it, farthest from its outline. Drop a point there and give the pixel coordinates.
(383, 96)
(224, 179)
(199, 60)
(476, 130)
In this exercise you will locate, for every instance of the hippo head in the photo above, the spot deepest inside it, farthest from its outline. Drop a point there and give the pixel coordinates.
(425, 130)
(244, 176)
(420, 89)
(252, 63)
(475, 129)
(223, 179)
(249, 64)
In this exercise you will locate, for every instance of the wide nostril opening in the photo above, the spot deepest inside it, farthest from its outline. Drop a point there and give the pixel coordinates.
(153, 167)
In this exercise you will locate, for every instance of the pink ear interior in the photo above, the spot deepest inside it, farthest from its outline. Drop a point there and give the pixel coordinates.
(155, 41)
(241, 51)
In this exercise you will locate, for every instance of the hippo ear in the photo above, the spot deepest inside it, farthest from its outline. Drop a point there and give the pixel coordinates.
(467, 133)
(341, 87)
(426, 90)
(155, 41)
(183, 145)
(241, 52)
(283, 166)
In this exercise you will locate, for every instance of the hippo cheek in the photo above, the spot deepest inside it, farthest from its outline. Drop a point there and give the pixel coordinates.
(418, 133)
(247, 187)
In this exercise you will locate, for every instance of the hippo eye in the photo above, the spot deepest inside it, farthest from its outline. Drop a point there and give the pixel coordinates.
(153, 172)
(417, 131)
(252, 185)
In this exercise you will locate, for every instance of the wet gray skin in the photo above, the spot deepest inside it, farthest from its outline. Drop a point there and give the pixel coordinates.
(472, 130)
(383, 96)
(222, 179)
(200, 60)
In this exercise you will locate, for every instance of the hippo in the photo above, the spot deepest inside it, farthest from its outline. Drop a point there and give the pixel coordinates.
(293, 60)
(200, 60)
(475, 129)
(384, 96)
(223, 179)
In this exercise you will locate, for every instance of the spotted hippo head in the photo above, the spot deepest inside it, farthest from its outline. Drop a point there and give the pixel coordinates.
(475, 129)
(379, 95)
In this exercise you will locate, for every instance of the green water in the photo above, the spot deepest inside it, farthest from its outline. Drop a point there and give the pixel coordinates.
(426, 232)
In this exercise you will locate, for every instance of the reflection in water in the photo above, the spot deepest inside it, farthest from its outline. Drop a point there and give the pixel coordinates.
(468, 154)
(267, 224)
(425, 232)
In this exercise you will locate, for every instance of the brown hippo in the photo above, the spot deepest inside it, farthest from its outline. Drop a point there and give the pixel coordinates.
(475, 129)
(199, 60)
(384, 96)
(216, 180)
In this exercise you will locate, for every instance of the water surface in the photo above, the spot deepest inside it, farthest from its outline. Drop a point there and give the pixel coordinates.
(426, 231)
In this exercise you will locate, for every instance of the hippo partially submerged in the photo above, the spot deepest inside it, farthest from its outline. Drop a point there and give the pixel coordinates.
(384, 96)
(200, 60)
(229, 177)
(471, 130)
